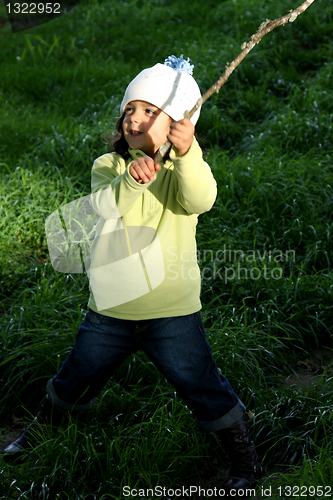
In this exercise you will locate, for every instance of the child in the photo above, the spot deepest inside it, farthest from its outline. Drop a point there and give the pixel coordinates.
(144, 276)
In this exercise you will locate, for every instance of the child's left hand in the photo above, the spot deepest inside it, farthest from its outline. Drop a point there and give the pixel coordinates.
(181, 135)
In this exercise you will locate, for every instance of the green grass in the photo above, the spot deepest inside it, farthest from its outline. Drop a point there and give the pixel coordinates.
(265, 248)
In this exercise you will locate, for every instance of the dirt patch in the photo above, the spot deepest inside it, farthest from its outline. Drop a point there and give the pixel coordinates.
(309, 370)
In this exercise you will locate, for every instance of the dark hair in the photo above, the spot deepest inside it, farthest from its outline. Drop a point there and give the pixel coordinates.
(117, 142)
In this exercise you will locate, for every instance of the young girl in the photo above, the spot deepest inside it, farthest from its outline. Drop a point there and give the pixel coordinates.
(144, 277)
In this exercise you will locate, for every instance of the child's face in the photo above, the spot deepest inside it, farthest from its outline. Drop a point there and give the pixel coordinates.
(145, 126)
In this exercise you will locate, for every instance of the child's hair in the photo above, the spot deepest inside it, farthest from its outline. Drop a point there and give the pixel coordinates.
(117, 142)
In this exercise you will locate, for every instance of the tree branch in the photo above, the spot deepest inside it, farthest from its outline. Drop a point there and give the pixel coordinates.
(263, 29)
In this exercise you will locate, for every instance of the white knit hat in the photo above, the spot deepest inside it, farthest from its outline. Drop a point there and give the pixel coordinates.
(168, 86)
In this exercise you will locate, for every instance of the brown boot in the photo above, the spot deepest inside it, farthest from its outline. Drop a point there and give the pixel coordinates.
(48, 414)
(246, 467)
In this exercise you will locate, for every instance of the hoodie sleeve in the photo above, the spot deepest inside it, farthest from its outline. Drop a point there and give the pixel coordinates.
(114, 190)
(197, 188)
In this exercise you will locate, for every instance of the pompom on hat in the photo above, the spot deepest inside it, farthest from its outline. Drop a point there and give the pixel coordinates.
(169, 86)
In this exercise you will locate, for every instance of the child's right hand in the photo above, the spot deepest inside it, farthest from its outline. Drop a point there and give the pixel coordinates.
(143, 169)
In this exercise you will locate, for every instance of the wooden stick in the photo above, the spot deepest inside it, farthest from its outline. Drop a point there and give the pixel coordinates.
(263, 29)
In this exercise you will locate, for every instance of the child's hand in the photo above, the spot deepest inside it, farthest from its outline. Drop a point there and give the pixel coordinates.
(143, 169)
(181, 135)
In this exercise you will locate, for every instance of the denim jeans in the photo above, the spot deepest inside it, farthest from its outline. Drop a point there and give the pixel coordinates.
(178, 348)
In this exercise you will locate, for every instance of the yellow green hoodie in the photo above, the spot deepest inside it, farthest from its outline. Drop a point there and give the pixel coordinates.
(144, 258)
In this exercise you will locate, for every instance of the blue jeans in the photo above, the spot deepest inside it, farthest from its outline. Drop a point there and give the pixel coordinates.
(178, 348)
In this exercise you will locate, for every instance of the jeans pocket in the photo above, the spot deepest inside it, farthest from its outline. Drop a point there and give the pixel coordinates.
(95, 317)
